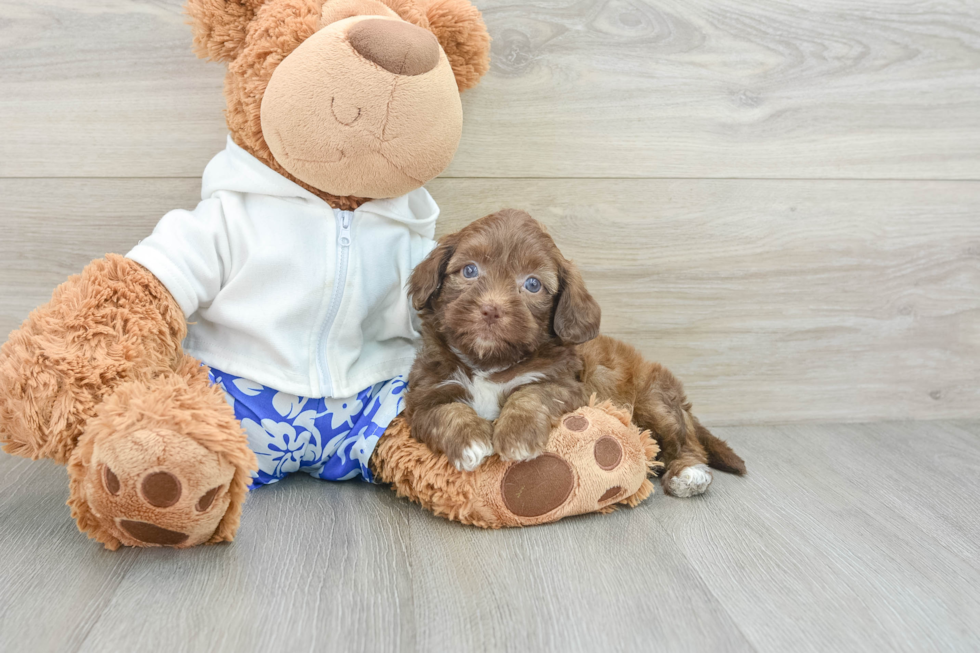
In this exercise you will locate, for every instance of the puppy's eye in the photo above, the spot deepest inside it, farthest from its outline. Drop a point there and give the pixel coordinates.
(471, 271)
(532, 285)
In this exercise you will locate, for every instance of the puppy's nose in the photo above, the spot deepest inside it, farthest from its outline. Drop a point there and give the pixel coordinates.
(490, 312)
(396, 46)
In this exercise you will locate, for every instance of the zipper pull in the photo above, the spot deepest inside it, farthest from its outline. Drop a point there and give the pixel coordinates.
(346, 217)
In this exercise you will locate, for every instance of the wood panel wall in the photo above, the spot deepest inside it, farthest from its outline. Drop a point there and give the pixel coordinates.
(780, 200)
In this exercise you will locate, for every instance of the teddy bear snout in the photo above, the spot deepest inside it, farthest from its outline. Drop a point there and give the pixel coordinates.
(396, 46)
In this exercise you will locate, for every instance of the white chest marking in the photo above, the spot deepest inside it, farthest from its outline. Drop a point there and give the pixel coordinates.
(486, 396)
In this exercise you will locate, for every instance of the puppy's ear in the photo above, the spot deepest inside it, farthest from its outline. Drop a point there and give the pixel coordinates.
(427, 276)
(577, 314)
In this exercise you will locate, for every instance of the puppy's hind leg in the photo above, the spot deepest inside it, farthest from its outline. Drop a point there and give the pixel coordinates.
(662, 408)
(687, 474)
(616, 371)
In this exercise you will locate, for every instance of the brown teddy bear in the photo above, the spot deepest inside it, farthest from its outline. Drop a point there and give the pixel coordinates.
(288, 282)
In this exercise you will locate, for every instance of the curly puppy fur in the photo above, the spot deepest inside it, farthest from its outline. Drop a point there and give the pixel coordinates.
(510, 344)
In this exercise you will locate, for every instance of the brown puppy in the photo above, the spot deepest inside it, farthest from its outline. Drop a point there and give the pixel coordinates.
(511, 342)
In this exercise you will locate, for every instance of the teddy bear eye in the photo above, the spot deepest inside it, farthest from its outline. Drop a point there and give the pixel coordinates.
(532, 284)
(470, 271)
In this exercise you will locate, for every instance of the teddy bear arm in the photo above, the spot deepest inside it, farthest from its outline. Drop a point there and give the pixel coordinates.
(595, 459)
(112, 323)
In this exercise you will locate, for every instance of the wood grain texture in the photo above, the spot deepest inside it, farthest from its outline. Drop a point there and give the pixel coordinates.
(517, 591)
(54, 584)
(826, 533)
(842, 537)
(593, 88)
(773, 300)
(316, 566)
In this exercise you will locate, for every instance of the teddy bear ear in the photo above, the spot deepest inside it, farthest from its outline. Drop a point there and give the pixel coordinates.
(219, 26)
(463, 35)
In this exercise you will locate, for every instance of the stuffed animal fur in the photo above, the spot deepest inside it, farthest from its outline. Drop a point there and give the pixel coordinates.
(347, 103)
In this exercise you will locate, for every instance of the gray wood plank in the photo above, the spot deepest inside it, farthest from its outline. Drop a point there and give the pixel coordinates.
(315, 566)
(773, 300)
(54, 583)
(942, 499)
(470, 589)
(825, 546)
(613, 583)
(674, 88)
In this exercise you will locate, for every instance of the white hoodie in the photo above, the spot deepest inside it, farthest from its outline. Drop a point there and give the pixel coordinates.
(282, 289)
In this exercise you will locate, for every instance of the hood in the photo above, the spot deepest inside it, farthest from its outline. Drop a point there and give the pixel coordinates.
(234, 169)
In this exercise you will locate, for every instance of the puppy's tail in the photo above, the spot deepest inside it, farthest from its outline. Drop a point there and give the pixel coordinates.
(720, 455)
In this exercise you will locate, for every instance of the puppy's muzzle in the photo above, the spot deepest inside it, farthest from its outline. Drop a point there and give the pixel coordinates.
(490, 313)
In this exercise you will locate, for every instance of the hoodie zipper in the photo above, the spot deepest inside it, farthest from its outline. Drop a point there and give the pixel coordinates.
(344, 220)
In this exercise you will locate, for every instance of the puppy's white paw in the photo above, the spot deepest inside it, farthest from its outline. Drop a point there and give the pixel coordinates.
(473, 454)
(691, 481)
(519, 453)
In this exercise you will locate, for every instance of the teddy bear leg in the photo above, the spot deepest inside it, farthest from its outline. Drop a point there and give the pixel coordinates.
(162, 463)
(112, 323)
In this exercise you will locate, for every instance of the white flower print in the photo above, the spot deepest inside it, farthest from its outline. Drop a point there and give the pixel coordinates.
(278, 449)
(287, 405)
(362, 450)
(251, 388)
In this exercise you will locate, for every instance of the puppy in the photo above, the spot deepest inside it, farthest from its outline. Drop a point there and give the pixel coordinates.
(510, 343)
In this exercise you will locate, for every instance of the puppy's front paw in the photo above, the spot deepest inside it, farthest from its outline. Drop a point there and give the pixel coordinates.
(689, 481)
(521, 439)
(472, 456)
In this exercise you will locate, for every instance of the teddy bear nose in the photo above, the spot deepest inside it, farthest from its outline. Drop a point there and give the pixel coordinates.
(396, 46)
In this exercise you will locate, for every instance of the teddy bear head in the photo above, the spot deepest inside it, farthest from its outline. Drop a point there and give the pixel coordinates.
(351, 99)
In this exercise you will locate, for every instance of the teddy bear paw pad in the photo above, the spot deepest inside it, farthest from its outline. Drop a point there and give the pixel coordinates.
(155, 488)
(536, 487)
(151, 533)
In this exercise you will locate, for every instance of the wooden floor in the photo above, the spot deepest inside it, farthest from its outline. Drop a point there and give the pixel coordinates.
(841, 538)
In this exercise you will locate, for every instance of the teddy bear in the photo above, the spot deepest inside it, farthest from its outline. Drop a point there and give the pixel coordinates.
(268, 331)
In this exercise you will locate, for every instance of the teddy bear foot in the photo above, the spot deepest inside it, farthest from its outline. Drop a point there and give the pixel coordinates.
(161, 464)
(156, 488)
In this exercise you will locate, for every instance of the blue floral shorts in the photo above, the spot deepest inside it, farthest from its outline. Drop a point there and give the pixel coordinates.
(328, 438)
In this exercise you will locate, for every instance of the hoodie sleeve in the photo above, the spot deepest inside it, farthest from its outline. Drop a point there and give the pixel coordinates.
(188, 252)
